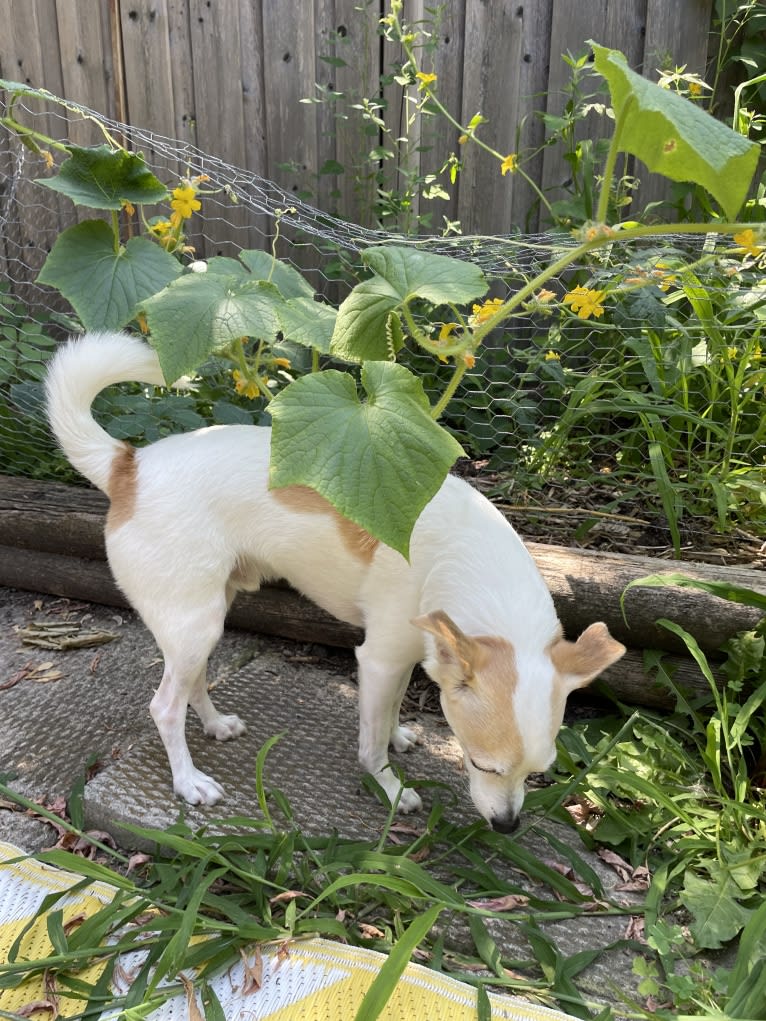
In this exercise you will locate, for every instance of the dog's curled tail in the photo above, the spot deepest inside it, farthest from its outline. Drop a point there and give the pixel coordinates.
(78, 372)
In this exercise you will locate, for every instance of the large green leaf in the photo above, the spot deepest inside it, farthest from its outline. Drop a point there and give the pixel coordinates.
(104, 285)
(287, 280)
(104, 178)
(378, 461)
(717, 914)
(308, 322)
(201, 313)
(676, 138)
(400, 274)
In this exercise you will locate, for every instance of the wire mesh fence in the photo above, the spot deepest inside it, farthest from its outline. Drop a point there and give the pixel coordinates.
(620, 408)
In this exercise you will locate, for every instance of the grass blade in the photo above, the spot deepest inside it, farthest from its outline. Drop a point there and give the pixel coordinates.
(385, 981)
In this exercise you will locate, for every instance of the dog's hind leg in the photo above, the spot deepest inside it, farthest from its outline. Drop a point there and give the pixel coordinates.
(186, 642)
(382, 683)
(221, 726)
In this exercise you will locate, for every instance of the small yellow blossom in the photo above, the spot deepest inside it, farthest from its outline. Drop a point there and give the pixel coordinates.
(544, 296)
(245, 386)
(731, 353)
(756, 355)
(160, 228)
(185, 201)
(510, 164)
(695, 89)
(447, 330)
(552, 356)
(128, 207)
(282, 363)
(585, 302)
(462, 140)
(424, 80)
(469, 359)
(48, 159)
(481, 313)
(748, 242)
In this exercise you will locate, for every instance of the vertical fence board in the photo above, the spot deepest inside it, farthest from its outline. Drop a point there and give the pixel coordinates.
(571, 25)
(491, 72)
(439, 138)
(291, 131)
(230, 78)
(87, 67)
(29, 53)
(533, 81)
(149, 95)
(219, 108)
(357, 45)
(403, 128)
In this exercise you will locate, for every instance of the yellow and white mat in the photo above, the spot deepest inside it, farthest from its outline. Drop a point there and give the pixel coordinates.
(316, 980)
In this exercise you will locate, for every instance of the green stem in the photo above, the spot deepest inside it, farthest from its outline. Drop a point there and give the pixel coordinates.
(449, 393)
(116, 231)
(611, 161)
(36, 138)
(616, 235)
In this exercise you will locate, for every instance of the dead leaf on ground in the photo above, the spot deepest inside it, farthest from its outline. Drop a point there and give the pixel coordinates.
(192, 1007)
(509, 902)
(27, 1009)
(41, 673)
(635, 929)
(63, 635)
(286, 895)
(371, 931)
(253, 972)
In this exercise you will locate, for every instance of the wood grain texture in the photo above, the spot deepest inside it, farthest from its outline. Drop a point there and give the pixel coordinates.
(59, 520)
(229, 77)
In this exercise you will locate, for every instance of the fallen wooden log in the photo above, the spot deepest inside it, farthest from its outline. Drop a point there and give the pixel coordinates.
(586, 586)
(279, 610)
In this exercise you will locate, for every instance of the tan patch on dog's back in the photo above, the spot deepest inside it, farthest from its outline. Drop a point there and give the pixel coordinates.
(307, 501)
(123, 484)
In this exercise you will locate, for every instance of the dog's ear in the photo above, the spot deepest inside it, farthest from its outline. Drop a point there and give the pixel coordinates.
(577, 663)
(457, 655)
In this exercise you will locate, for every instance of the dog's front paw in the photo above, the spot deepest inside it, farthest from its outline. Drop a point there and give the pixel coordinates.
(402, 739)
(225, 728)
(198, 788)
(409, 801)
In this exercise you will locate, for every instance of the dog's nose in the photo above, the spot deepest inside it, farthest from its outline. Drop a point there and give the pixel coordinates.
(504, 823)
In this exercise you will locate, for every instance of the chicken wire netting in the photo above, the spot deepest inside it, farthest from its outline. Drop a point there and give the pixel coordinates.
(621, 408)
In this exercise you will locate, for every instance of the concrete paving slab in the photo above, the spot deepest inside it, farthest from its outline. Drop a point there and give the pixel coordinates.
(99, 707)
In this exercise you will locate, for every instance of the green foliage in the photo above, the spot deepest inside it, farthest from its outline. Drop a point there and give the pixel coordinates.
(240, 310)
(101, 178)
(674, 137)
(684, 795)
(679, 374)
(400, 275)
(358, 454)
(106, 282)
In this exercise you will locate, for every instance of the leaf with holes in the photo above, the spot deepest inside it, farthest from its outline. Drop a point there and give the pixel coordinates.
(105, 286)
(674, 137)
(378, 460)
(104, 178)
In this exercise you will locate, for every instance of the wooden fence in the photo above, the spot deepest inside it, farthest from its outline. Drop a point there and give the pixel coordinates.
(233, 77)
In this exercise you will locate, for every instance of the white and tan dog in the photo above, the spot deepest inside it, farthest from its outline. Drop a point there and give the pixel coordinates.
(192, 521)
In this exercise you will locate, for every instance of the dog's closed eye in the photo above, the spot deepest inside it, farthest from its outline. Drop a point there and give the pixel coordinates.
(484, 769)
